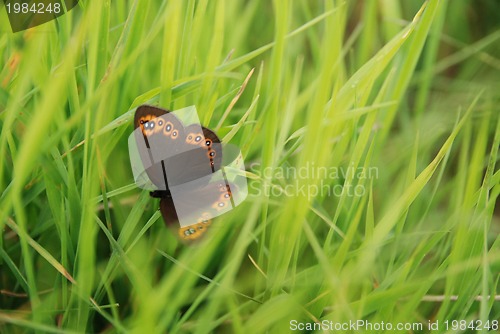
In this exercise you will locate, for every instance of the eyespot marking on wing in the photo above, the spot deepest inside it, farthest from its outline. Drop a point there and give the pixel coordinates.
(196, 231)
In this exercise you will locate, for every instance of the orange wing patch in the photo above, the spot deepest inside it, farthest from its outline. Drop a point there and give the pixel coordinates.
(224, 198)
(195, 231)
(145, 124)
(199, 139)
(170, 130)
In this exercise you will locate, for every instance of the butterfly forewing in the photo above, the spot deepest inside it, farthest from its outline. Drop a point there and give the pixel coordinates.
(200, 157)
(146, 113)
(162, 137)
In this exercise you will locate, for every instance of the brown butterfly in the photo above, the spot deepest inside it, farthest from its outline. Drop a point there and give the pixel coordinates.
(182, 157)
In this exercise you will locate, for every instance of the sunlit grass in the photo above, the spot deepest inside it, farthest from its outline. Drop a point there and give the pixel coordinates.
(408, 90)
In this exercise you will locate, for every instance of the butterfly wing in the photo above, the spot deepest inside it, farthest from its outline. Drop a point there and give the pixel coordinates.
(161, 135)
(199, 157)
(219, 195)
(175, 155)
(214, 148)
(187, 233)
(146, 113)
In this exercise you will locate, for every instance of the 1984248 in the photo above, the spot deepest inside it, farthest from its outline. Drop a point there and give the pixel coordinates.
(35, 8)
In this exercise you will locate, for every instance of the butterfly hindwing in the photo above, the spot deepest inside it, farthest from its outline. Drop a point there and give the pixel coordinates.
(167, 210)
(187, 233)
(218, 194)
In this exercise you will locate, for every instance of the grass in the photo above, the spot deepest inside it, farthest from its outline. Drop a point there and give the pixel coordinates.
(332, 90)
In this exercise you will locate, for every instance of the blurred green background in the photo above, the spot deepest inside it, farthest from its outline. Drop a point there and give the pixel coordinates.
(409, 90)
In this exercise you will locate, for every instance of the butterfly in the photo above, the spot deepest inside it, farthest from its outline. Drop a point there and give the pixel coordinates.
(181, 162)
